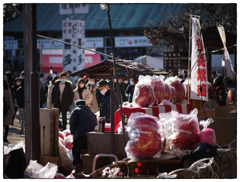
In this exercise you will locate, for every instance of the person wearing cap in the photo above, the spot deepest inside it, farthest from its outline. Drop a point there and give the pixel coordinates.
(82, 92)
(82, 121)
(62, 97)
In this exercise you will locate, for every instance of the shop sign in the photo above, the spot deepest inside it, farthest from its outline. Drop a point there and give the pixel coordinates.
(10, 44)
(133, 41)
(74, 8)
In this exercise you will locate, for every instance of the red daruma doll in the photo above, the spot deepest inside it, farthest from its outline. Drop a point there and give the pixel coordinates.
(207, 135)
(145, 138)
(158, 86)
(180, 91)
(186, 131)
(168, 91)
(143, 93)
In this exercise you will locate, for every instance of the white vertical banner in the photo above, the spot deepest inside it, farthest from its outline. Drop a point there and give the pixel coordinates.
(227, 58)
(73, 31)
(198, 64)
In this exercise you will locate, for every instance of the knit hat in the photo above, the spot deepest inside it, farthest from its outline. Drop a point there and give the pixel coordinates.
(80, 102)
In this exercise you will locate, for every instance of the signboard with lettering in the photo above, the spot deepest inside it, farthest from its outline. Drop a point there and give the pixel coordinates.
(10, 44)
(133, 41)
(94, 42)
(73, 31)
(74, 8)
(175, 60)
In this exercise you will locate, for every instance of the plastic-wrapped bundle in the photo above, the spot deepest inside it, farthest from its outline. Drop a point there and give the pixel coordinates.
(173, 97)
(145, 138)
(207, 135)
(68, 142)
(143, 93)
(186, 85)
(35, 170)
(67, 132)
(168, 91)
(176, 83)
(181, 130)
(158, 86)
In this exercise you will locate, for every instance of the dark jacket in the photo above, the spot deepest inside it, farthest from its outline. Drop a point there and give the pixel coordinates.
(82, 120)
(67, 96)
(130, 91)
(98, 96)
(105, 105)
(20, 96)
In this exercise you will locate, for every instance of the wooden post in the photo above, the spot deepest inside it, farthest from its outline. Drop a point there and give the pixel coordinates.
(27, 83)
(35, 92)
(112, 109)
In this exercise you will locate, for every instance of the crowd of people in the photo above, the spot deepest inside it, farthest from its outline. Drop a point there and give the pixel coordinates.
(58, 92)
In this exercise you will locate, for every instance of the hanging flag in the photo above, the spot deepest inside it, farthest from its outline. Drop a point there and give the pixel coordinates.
(73, 31)
(198, 64)
(227, 58)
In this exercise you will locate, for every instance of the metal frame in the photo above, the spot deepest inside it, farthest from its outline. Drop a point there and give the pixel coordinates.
(102, 155)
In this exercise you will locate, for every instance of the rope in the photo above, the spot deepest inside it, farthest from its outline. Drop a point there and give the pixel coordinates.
(196, 168)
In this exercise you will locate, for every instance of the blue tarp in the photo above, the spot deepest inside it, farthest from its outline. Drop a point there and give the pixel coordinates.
(123, 16)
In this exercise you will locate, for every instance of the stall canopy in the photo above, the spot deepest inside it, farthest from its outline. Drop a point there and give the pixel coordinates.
(125, 69)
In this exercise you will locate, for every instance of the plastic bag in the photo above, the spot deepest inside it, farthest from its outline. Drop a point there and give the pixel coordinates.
(181, 130)
(66, 159)
(166, 103)
(207, 135)
(187, 90)
(145, 137)
(143, 93)
(68, 142)
(67, 132)
(61, 135)
(158, 86)
(176, 83)
(173, 96)
(35, 170)
(210, 105)
(168, 91)
(11, 147)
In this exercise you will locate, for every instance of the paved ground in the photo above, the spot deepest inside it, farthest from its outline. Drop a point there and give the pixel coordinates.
(13, 134)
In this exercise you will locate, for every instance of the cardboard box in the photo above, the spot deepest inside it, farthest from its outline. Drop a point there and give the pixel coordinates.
(223, 111)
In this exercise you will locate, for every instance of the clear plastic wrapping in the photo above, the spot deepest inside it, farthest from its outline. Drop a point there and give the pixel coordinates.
(176, 83)
(207, 135)
(145, 136)
(143, 93)
(181, 130)
(168, 91)
(35, 170)
(158, 86)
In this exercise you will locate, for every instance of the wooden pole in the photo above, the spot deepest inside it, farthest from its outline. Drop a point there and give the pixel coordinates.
(27, 83)
(35, 92)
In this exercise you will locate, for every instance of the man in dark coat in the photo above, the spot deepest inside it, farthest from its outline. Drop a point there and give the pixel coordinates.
(62, 97)
(105, 101)
(82, 121)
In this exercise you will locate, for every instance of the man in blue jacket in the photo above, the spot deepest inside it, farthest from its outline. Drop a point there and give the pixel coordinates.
(82, 121)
